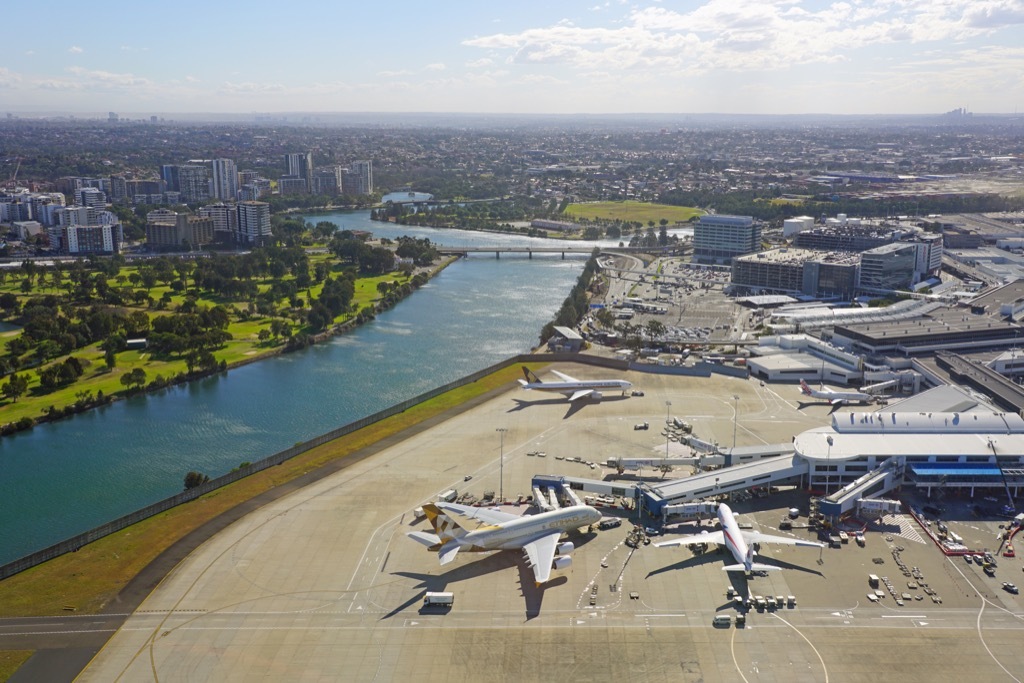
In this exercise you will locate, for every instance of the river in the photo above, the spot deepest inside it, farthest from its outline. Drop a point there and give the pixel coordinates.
(64, 478)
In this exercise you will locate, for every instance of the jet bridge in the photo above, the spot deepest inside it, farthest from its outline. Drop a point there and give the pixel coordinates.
(882, 479)
(659, 497)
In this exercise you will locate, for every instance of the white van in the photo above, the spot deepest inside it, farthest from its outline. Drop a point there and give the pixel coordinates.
(723, 620)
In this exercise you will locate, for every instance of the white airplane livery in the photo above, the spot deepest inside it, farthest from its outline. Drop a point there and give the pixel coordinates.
(836, 397)
(571, 388)
(536, 535)
(739, 542)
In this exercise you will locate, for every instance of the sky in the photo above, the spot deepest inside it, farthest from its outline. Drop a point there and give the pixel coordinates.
(524, 56)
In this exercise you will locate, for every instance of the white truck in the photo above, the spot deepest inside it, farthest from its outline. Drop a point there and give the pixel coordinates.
(438, 599)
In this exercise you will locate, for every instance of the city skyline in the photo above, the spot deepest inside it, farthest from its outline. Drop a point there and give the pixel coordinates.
(611, 57)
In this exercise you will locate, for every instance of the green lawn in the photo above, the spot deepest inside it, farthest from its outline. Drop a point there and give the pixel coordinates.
(632, 211)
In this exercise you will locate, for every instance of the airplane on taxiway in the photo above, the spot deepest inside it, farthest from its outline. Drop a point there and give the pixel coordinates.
(536, 535)
(572, 388)
(739, 542)
(836, 398)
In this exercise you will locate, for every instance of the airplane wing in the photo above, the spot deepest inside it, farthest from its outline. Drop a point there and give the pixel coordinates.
(541, 553)
(564, 377)
(837, 401)
(694, 539)
(758, 537)
(580, 394)
(478, 515)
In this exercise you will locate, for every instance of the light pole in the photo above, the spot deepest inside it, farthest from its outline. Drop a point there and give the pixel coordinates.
(501, 465)
(828, 464)
(735, 417)
(668, 406)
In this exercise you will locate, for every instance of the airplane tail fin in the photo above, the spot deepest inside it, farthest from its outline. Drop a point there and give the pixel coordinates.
(804, 389)
(444, 526)
(530, 377)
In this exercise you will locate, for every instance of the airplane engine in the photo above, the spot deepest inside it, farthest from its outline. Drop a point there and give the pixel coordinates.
(561, 562)
(565, 548)
(597, 395)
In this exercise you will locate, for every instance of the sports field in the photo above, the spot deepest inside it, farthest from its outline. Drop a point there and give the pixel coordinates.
(632, 211)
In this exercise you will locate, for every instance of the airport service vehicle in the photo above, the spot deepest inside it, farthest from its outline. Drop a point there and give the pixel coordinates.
(836, 398)
(641, 425)
(610, 523)
(438, 599)
(571, 388)
(1010, 588)
(461, 527)
(739, 542)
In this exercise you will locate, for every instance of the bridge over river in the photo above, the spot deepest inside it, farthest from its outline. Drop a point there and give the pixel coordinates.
(530, 251)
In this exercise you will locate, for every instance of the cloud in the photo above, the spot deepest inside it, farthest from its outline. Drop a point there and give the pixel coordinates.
(395, 74)
(436, 66)
(740, 35)
(250, 87)
(478, 63)
(8, 78)
(109, 78)
(74, 49)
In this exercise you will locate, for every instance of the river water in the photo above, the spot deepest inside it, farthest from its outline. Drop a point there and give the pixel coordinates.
(61, 479)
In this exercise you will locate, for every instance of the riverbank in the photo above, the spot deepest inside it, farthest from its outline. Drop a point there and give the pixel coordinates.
(100, 387)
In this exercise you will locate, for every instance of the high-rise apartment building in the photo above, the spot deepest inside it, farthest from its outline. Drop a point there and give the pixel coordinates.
(300, 164)
(365, 171)
(194, 183)
(225, 179)
(253, 222)
(169, 174)
(224, 216)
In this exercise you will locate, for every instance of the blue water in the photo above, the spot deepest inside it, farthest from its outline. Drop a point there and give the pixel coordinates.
(60, 479)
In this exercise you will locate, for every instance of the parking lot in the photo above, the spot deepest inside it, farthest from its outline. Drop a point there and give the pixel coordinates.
(325, 581)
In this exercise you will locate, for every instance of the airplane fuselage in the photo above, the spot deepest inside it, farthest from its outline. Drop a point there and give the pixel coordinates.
(733, 537)
(514, 534)
(568, 388)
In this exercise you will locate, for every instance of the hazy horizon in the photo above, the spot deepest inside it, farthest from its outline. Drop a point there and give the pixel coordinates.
(767, 57)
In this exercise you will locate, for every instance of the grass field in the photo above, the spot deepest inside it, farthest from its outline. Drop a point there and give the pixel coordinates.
(10, 661)
(86, 580)
(633, 211)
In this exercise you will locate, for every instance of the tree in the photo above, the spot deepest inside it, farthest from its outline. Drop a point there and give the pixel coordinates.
(16, 386)
(194, 479)
(134, 378)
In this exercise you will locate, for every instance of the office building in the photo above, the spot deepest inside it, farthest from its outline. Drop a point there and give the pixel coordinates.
(253, 223)
(225, 179)
(718, 238)
(888, 267)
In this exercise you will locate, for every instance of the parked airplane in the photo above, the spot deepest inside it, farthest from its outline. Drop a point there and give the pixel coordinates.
(836, 397)
(535, 535)
(573, 388)
(739, 542)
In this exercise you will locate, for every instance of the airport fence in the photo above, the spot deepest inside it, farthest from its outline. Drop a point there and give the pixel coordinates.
(76, 542)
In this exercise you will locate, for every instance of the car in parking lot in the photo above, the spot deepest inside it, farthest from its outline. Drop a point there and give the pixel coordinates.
(1010, 588)
(651, 531)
